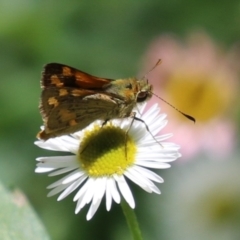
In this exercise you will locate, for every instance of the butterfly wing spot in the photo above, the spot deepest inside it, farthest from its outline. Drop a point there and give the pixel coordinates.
(66, 71)
(53, 101)
(81, 92)
(63, 92)
(72, 122)
(77, 92)
(56, 81)
(66, 115)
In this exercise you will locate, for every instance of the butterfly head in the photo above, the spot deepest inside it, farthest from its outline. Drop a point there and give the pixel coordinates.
(145, 90)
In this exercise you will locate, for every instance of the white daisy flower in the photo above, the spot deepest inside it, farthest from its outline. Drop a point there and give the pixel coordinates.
(104, 157)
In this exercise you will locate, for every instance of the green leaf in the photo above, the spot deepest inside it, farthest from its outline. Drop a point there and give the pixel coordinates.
(17, 218)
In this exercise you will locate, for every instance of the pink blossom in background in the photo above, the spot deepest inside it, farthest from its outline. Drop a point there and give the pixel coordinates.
(198, 78)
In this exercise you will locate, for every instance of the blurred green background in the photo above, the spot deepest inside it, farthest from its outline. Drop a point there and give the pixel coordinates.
(108, 39)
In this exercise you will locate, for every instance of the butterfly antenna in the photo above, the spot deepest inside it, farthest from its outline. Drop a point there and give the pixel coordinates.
(184, 114)
(156, 64)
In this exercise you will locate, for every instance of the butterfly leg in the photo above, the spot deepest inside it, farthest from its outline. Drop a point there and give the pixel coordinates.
(133, 114)
(140, 120)
(105, 122)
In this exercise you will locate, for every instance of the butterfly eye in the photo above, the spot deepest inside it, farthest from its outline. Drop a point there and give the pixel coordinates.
(142, 96)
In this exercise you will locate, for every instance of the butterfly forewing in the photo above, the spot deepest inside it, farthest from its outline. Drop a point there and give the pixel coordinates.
(59, 75)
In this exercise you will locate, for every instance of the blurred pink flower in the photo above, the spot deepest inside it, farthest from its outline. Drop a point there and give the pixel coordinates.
(200, 80)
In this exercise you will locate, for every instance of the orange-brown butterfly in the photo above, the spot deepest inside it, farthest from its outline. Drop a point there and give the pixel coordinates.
(72, 99)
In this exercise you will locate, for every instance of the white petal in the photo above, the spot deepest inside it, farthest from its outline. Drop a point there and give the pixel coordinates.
(150, 141)
(83, 189)
(140, 108)
(137, 134)
(156, 157)
(79, 206)
(149, 174)
(113, 190)
(54, 144)
(125, 190)
(150, 111)
(87, 195)
(150, 164)
(62, 180)
(170, 145)
(74, 175)
(43, 170)
(56, 165)
(108, 195)
(83, 194)
(61, 171)
(56, 183)
(58, 189)
(72, 187)
(93, 208)
(57, 162)
(153, 118)
(100, 188)
(141, 181)
(137, 181)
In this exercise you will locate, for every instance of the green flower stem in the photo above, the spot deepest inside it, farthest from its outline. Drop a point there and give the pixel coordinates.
(131, 220)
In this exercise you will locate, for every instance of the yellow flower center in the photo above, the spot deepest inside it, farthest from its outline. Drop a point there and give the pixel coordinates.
(198, 95)
(106, 150)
